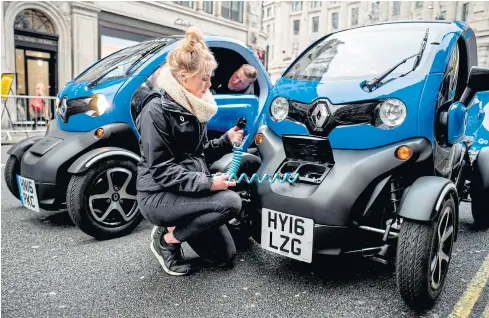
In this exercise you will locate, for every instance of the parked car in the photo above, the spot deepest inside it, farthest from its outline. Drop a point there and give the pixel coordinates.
(376, 121)
(86, 162)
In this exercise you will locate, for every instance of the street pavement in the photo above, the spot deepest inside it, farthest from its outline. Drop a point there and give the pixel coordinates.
(52, 269)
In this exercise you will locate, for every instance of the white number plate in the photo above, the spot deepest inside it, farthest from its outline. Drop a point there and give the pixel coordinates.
(288, 235)
(28, 195)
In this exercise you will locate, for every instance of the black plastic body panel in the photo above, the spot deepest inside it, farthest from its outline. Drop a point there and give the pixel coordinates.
(84, 162)
(482, 166)
(423, 199)
(47, 161)
(21, 147)
(331, 201)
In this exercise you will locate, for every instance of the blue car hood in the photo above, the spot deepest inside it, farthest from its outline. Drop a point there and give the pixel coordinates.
(348, 90)
(408, 89)
(73, 90)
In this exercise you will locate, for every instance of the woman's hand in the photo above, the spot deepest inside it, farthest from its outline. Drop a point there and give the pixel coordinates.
(236, 136)
(220, 182)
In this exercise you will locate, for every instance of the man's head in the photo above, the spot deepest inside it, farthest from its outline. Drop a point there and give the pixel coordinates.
(242, 78)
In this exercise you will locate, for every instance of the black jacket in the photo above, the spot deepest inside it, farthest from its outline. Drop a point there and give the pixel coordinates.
(174, 149)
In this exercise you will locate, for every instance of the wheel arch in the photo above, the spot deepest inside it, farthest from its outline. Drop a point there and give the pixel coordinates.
(87, 160)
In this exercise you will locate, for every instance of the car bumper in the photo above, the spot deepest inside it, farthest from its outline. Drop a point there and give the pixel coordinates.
(47, 161)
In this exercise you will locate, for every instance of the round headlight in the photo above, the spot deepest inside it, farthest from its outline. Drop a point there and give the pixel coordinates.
(98, 104)
(101, 104)
(391, 113)
(279, 109)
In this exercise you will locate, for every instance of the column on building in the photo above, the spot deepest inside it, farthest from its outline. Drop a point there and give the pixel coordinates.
(343, 23)
(405, 10)
(85, 26)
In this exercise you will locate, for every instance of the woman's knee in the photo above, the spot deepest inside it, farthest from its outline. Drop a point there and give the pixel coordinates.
(231, 201)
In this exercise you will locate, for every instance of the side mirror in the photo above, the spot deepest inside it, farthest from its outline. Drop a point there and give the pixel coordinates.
(478, 82)
(456, 122)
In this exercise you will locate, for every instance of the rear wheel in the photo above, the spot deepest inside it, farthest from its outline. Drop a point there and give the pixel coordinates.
(423, 256)
(12, 169)
(102, 202)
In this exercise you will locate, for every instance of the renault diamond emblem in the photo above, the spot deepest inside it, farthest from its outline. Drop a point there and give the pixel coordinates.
(319, 115)
(63, 107)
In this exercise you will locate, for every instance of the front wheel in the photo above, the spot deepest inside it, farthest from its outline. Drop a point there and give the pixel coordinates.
(12, 169)
(102, 201)
(423, 255)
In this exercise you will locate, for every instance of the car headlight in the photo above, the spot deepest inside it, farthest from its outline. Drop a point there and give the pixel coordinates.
(279, 109)
(391, 113)
(98, 104)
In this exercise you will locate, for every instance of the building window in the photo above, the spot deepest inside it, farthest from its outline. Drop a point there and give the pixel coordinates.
(334, 20)
(269, 11)
(419, 4)
(315, 24)
(208, 6)
(297, 6)
(268, 29)
(34, 21)
(465, 11)
(375, 11)
(315, 4)
(354, 16)
(232, 10)
(396, 9)
(297, 27)
(189, 4)
(442, 15)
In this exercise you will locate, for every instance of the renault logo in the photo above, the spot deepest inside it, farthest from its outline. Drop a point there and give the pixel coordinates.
(319, 115)
(63, 107)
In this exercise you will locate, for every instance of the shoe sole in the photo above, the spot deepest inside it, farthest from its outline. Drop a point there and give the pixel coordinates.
(162, 262)
(153, 232)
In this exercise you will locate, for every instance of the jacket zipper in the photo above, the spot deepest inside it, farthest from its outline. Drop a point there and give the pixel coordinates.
(201, 164)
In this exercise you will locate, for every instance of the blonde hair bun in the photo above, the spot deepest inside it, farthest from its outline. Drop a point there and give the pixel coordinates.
(191, 56)
(194, 34)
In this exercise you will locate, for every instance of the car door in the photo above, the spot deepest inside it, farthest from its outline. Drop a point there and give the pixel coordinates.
(230, 109)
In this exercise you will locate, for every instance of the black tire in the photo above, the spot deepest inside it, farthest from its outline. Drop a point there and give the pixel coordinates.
(12, 169)
(92, 182)
(479, 197)
(417, 251)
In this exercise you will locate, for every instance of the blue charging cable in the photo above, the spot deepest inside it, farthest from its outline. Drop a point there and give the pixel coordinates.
(236, 162)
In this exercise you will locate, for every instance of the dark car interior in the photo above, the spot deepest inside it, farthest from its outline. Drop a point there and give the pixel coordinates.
(228, 62)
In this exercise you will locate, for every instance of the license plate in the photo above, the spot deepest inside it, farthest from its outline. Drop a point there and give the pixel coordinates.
(28, 195)
(288, 235)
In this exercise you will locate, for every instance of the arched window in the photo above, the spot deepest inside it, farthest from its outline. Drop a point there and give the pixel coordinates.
(34, 21)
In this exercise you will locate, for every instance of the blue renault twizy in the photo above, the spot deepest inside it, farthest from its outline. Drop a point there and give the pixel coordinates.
(86, 162)
(374, 124)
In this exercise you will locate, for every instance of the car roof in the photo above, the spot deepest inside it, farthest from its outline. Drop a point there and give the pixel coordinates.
(206, 38)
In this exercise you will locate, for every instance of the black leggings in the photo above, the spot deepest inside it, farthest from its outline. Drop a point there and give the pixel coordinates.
(189, 214)
(199, 220)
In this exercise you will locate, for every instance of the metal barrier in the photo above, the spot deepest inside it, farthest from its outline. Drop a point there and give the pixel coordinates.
(26, 114)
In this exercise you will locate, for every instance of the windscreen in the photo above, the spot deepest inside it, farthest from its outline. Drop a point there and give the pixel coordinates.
(119, 62)
(363, 53)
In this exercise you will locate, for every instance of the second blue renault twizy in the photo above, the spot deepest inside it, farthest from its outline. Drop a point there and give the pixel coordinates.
(86, 162)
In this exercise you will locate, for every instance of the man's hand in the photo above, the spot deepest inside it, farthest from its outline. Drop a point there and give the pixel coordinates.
(220, 182)
(236, 136)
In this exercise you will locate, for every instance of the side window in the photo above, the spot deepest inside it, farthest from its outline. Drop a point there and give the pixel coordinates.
(448, 87)
(145, 92)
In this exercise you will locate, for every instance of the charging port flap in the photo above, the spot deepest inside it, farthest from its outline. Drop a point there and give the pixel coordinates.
(308, 148)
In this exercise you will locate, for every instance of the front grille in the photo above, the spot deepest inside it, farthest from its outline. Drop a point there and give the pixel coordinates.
(343, 114)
